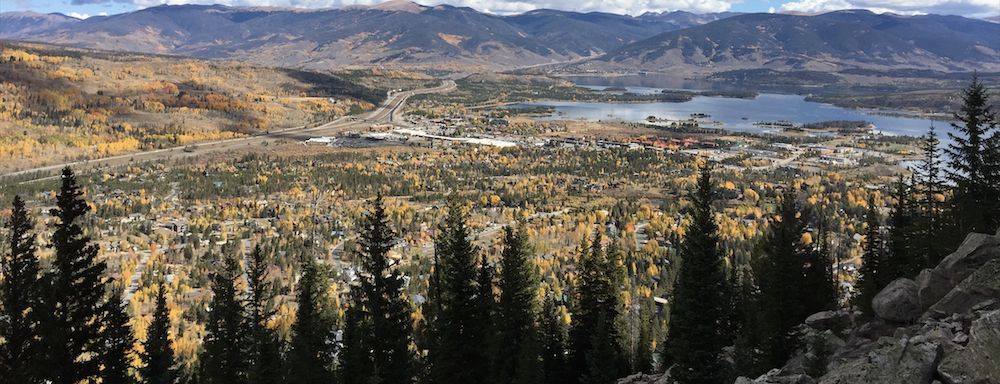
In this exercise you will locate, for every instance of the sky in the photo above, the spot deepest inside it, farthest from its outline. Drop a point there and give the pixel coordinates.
(968, 8)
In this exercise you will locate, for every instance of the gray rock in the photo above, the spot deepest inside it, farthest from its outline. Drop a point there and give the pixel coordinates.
(898, 302)
(829, 320)
(980, 287)
(778, 376)
(642, 378)
(979, 361)
(932, 286)
(975, 251)
(911, 361)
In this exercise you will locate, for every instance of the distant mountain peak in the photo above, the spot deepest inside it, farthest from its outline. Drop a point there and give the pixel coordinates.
(400, 6)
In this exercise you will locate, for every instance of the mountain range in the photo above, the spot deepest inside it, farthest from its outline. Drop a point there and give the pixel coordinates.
(395, 33)
(405, 34)
(828, 42)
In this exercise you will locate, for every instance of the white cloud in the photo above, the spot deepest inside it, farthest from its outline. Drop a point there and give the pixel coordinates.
(971, 8)
(78, 15)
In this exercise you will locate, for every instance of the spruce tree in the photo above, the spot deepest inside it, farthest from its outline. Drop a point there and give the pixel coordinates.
(117, 341)
(598, 309)
(696, 334)
(933, 236)
(974, 164)
(553, 340)
(312, 346)
(458, 353)
(378, 329)
(870, 277)
(20, 297)
(158, 352)
(71, 313)
(901, 259)
(264, 349)
(794, 281)
(516, 352)
(222, 359)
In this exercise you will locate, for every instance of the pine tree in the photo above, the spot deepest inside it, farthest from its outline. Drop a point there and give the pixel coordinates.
(553, 335)
(901, 259)
(598, 309)
(458, 354)
(222, 359)
(933, 237)
(264, 348)
(870, 277)
(794, 281)
(602, 357)
(975, 162)
(820, 291)
(378, 329)
(158, 352)
(696, 334)
(117, 341)
(516, 351)
(312, 347)
(71, 313)
(20, 294)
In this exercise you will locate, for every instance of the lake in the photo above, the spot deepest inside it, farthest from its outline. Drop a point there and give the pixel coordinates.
(735, 114)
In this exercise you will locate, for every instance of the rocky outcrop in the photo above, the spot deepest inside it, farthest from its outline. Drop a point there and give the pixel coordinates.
(979, 360)
(642, 378)
(895, 361)
(899, 302)
(777, 376)
(980, 290)
(941, 328)
(977, 250)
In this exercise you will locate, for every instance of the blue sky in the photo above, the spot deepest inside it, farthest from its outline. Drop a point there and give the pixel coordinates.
(969, 8)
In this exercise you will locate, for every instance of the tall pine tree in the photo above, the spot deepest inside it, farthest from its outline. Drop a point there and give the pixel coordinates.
(871, 279)
(312, 347)
(553, 343)
(117, 341)
(458, 353)
(378, 330)
(974, 166)
(20, 297)
(263, 346)
(74, 294)
(598, 311)
(696, 334)
(934, 237)
(158, 352)
(222, 359)
(794, 282)
(516, 348)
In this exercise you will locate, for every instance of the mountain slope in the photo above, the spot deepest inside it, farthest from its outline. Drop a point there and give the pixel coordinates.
(17, 25)
(394, 33)
(826, 42)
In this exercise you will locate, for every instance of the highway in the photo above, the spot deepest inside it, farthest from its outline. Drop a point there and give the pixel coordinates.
(384, 113)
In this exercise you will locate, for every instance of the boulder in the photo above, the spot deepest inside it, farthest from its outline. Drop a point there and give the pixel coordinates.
(642, 378)
(979, 361)
(981, 287)
(932, 286)
(906, 361)
(830, 320)
(898, 302)
(975, 251)
(777, 376)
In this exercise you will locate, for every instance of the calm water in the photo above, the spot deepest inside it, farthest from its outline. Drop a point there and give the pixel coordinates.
(768, 107)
